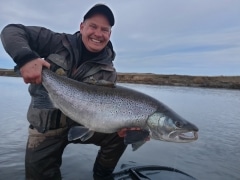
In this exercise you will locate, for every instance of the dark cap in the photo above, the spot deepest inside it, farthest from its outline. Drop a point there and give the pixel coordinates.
(101, 9)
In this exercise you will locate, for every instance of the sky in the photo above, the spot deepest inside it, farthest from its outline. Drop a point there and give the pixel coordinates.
(185, 37)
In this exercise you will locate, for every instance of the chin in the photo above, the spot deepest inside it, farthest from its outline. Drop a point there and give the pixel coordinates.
(96, 49)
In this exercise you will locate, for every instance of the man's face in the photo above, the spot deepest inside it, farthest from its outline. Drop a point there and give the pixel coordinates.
(96, 32)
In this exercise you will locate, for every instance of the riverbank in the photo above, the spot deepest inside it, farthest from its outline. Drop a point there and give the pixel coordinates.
(226, 82)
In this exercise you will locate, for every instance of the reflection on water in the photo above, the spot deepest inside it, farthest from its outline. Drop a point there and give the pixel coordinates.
(215, 155)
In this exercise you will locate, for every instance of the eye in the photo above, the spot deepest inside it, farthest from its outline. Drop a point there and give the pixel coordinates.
(178, 124)
(93, 26)
(106, 30)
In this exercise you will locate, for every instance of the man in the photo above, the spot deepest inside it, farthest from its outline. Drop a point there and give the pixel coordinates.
(83, 55)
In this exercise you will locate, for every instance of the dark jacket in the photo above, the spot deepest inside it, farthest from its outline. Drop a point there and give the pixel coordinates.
(25, 43)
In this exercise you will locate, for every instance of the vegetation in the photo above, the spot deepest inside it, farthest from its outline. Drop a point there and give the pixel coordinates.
(227, 82)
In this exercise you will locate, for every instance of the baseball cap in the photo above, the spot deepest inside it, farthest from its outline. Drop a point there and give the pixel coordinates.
(102, 9)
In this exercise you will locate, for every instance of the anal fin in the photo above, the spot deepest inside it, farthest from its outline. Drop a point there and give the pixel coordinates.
(79, 132)
(133, 136)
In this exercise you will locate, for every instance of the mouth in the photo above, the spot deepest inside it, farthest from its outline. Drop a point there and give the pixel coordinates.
(193, 135)
(184, 136)
(95, 40)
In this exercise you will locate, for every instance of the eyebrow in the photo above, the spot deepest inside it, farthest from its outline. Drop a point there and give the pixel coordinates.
(92, 23)
(102, 27)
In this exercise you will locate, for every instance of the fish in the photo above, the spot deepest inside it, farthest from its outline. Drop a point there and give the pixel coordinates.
(108, 109)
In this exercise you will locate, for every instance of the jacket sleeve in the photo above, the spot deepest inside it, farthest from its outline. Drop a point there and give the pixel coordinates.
(25, 43)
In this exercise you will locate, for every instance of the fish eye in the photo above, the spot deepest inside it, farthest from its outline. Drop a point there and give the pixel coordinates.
(178, 124)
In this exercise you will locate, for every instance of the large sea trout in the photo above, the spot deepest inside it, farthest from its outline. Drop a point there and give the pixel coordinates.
(109, 109)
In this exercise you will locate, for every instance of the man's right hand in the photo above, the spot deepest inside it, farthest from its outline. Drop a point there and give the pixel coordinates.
(32, 71)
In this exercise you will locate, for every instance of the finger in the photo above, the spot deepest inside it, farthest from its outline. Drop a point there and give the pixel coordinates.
(131, 128)
(136, 128)
(46, 64)
(38, 80)
(121, 133)
(26, 80)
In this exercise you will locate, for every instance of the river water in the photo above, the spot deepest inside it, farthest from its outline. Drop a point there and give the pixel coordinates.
(215, 155)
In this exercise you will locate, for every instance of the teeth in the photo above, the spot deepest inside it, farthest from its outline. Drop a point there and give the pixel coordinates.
(94, 40)
(189, 135)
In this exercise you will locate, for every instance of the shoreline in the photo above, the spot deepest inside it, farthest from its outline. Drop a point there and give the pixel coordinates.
(225, 82)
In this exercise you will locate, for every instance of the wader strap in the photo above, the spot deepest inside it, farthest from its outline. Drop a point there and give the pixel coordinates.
(63, 120)
(58, 119)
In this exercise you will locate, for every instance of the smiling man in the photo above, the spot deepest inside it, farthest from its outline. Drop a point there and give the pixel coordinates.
(95, 32)
(88, 54)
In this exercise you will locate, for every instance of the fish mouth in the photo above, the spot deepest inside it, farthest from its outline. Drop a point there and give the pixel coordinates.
(184, 136)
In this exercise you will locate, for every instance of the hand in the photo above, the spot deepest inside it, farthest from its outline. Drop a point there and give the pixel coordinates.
(32, 71)
(122, 132)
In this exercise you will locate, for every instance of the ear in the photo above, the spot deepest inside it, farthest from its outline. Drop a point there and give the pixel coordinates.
(110, 33)
(81, 26)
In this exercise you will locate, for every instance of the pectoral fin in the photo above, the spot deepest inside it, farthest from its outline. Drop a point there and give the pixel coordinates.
(133, 136)
(42, 101)
(79, 132)
(137, 145)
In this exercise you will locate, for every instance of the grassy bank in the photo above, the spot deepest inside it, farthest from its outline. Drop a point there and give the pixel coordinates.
(227, 82)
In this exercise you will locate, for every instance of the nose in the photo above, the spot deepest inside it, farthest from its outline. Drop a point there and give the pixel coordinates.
(98, 32)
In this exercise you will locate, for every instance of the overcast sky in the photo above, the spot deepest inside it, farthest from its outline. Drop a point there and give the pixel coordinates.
(191, 37)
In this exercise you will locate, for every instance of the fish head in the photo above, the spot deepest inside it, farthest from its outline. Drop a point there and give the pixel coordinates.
(171, 127)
